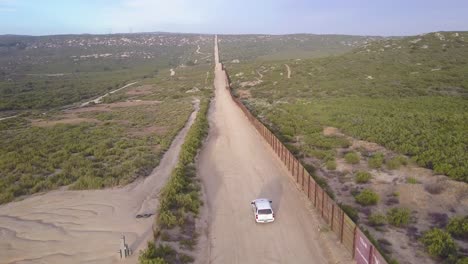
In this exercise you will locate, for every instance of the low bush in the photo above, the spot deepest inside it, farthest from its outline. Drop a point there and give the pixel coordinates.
(398, 216)
(362, 177)
(411, 180)
(330, 165)
(376, 161)
(439, 243)
(396, 162)
(367, 197)
(351, 212)
(458, 227)
(434, 188)
(377, 219)
(352, 157)
(162, 254)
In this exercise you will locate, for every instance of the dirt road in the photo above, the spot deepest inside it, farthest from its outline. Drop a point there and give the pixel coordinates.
(236, 166)
(99, 99)
(85, 226)
(8, 117)
(289, 71)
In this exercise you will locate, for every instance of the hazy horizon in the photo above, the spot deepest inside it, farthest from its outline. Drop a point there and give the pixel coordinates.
(364, 17)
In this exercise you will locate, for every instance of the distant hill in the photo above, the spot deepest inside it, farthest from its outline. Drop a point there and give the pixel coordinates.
(278, 47)
(52, 71)
(430, 64)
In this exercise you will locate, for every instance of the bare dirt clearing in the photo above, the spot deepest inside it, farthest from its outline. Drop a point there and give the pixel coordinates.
(85, 226)
(236, 166)
(71, 116)
(141, 90)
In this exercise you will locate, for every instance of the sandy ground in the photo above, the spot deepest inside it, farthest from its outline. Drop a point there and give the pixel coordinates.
(85, 226)
(237, 166)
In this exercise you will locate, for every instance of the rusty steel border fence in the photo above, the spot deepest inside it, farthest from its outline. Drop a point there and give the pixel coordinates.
(348, 233)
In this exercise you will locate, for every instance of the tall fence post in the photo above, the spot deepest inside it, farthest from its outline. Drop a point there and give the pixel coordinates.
(315, 194)
(323, 200)
(293, 165)
(342, 226)
(308, 182)
(354, 241)
(297, 169)
(333, 211)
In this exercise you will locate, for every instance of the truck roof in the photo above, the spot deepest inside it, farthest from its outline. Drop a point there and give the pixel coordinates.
(262, 203)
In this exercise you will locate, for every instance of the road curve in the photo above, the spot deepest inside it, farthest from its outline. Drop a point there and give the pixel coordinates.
(236, 166)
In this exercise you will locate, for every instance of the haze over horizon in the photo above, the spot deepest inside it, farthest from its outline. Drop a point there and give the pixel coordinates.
(365, 17)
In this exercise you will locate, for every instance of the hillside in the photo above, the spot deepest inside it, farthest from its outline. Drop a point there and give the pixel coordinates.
(244, 48)
(406, 94)
(52, 71)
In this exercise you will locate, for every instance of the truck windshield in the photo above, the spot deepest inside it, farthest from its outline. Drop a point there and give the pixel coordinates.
(264, 211)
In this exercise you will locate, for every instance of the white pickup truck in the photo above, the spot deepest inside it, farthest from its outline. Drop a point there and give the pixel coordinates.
(263, 211)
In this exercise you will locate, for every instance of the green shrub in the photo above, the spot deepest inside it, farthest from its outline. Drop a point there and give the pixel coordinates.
(351, 212)
(162, 254)
(376, 161)
(362, 177)
(458, 227)
(398, 216)
(367, 197)
(462, 260)
(352, 157)
(396, 162)
(411, 180)
(167, 219)
(439, 243)
(330, 165)
(377, 219)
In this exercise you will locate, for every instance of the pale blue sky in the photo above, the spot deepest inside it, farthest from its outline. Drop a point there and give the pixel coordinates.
(356, 17)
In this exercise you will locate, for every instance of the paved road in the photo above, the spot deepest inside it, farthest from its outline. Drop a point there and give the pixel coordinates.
(236, 166)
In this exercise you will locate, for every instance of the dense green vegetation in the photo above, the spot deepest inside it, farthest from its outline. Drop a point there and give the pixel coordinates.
(407, 94)
(180, 199)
